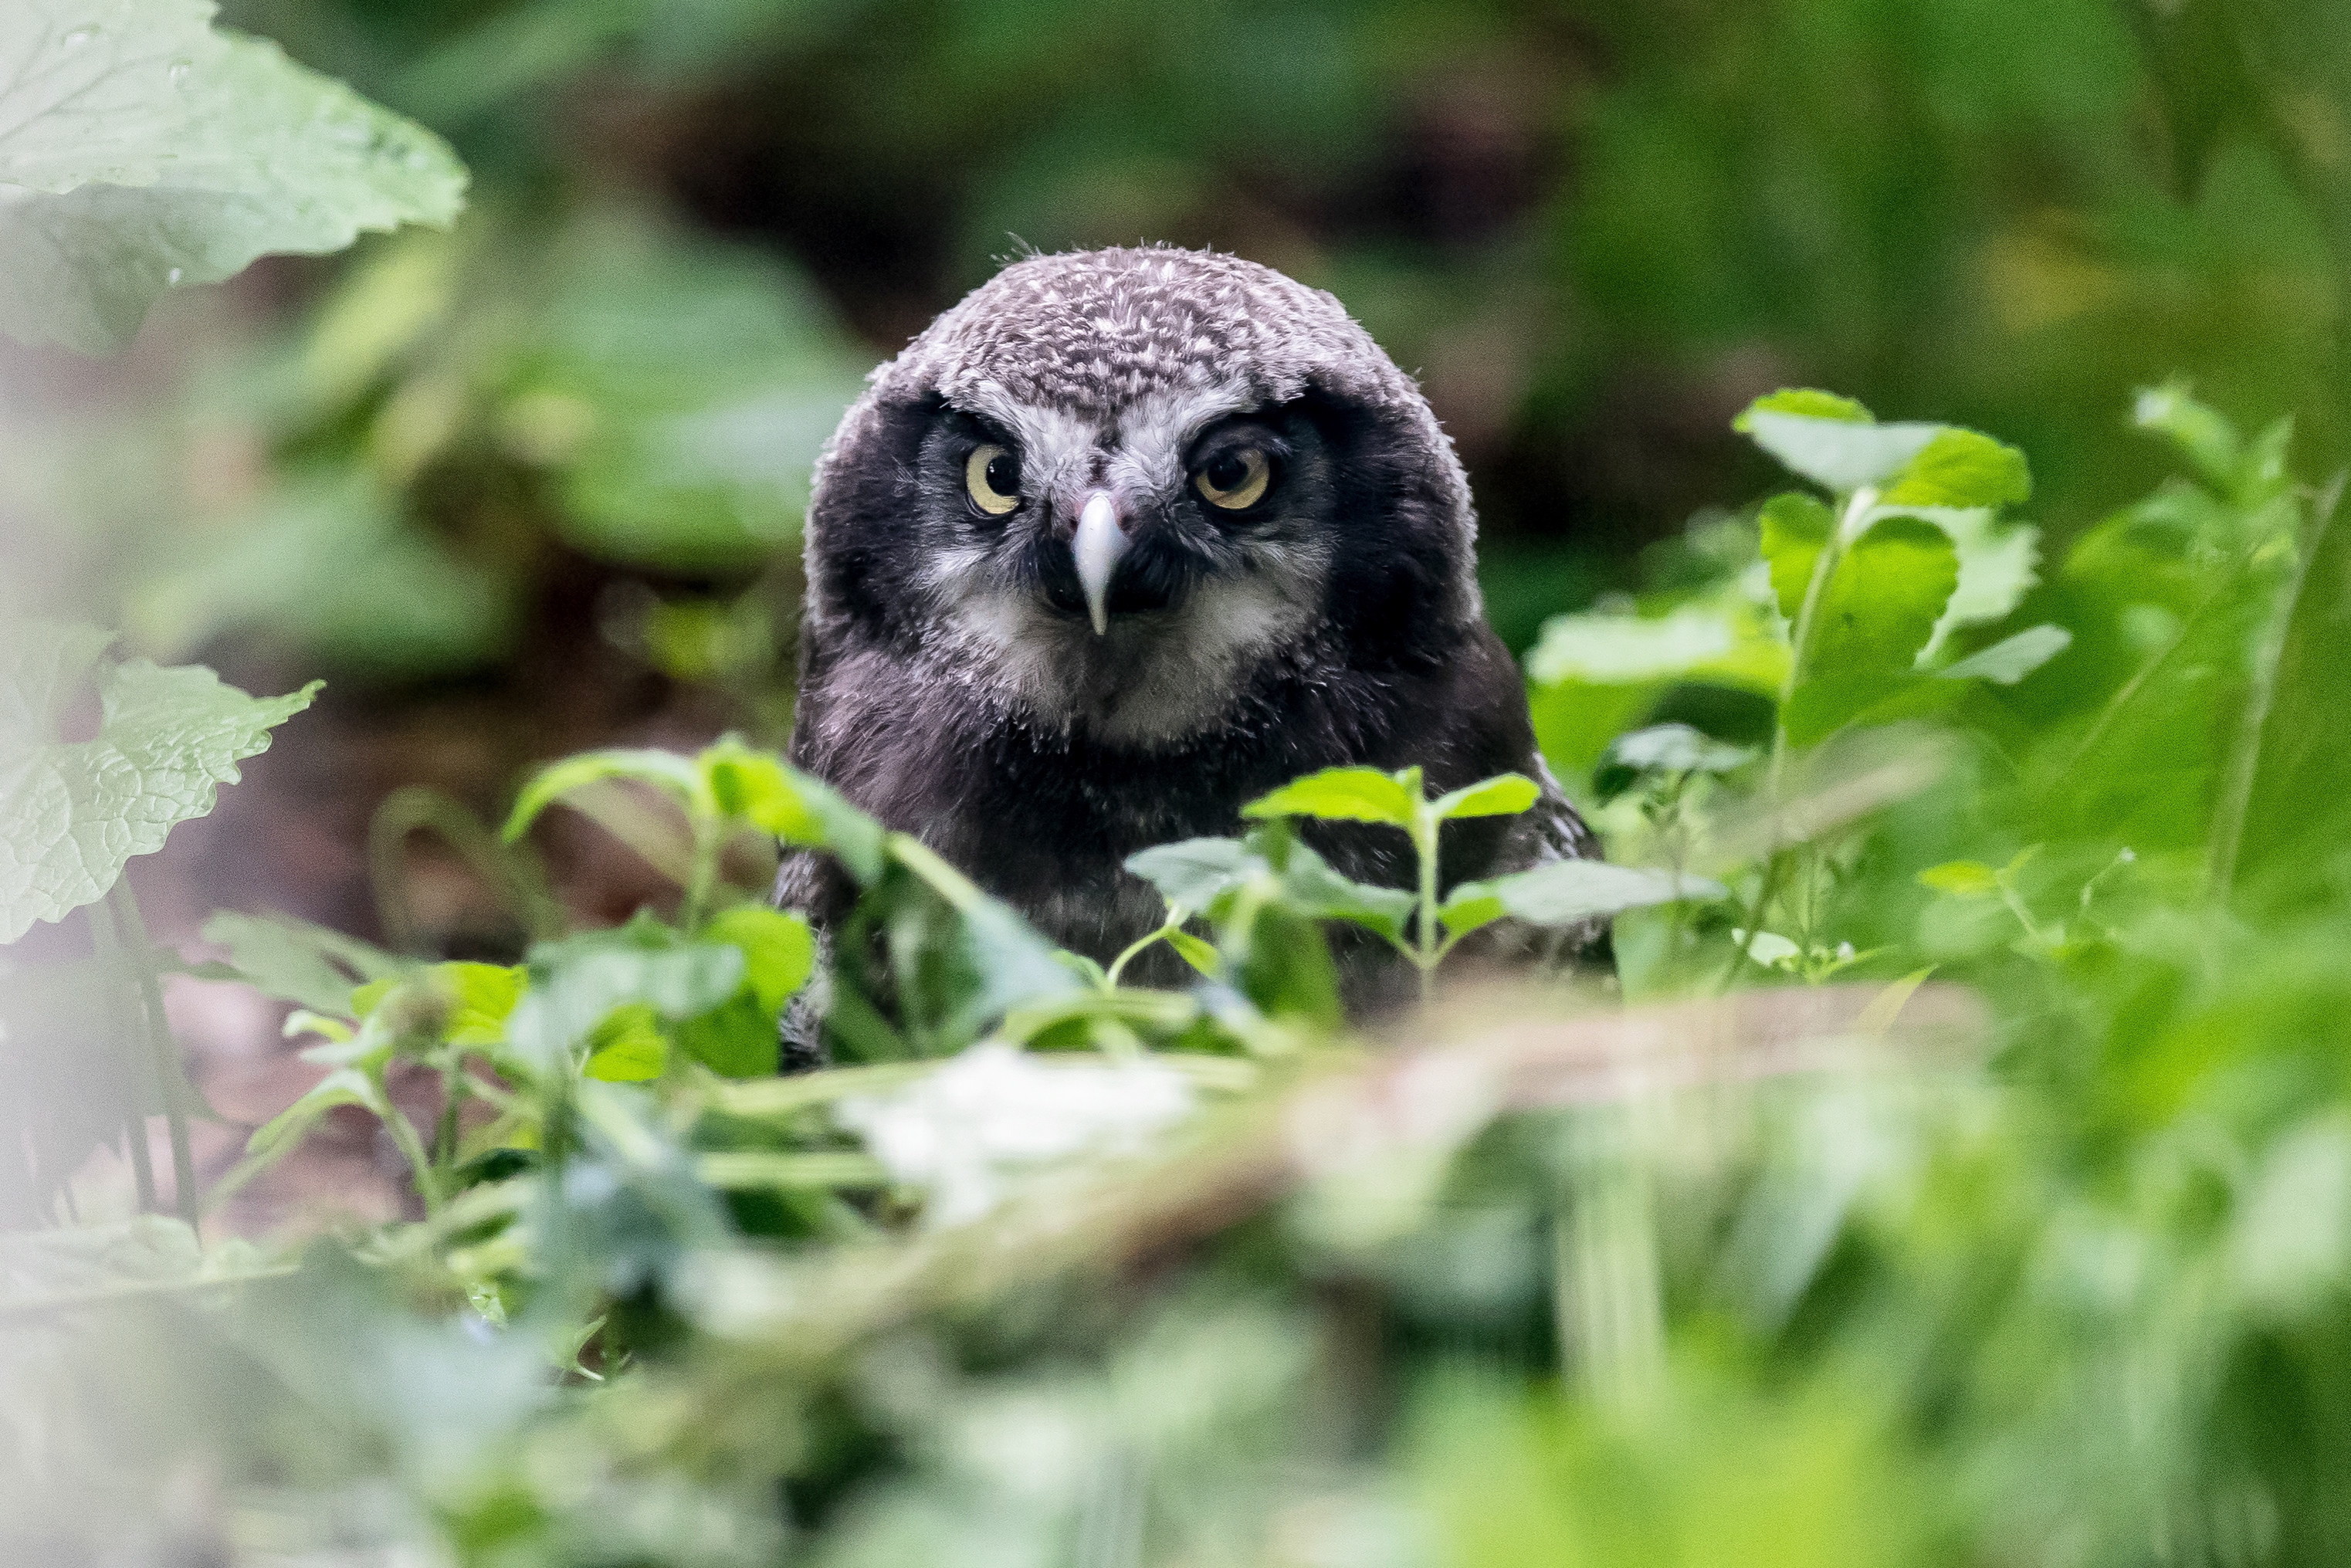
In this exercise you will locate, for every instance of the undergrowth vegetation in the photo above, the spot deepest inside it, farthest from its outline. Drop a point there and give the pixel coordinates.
(1953, 1166)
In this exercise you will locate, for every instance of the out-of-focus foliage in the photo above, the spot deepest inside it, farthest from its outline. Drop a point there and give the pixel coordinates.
(1956, 1167)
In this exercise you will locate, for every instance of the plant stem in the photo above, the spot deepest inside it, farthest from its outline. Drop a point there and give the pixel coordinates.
(107, 947)
(1425, 826)
(508, 869)
(1136, 947)
(2245, 757)
(162, 1049)
(412, 1148)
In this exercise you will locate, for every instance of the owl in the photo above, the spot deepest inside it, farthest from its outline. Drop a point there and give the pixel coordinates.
(1121, 541)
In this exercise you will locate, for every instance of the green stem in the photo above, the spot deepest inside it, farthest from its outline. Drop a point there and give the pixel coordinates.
(709, 837)
(1856, 508)
(1140, 944)
(107, 947)
(1424, 827)
(412, 1148)
(506, 868)
(163, 1052)
(2245, 757)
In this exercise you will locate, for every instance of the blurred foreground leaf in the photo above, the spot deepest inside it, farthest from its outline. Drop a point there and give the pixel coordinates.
(142, 150)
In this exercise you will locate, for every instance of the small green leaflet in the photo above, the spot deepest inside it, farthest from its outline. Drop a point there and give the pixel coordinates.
(1566, 892)
(1504, 795)
(146, 150)
(1191, 874)
(1347, 795)
(72, 812)
(297, 962)
(1836, 444)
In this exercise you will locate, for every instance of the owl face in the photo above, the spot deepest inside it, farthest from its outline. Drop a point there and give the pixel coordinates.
(1107, 489)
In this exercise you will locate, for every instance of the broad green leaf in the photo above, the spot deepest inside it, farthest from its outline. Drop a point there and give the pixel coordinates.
(665, 770)
(1505, 795)
(1795, 529)
(481, 998)
(297, 962)
(577, 983)
(1691, 642)
(1311, 888)
(73, 811)
(1193, 873)
(2011, 659)
(146, 150)
(757, 787)
(1676, 748)
(1966, 879)
(1837, 447)
(1881, 604)
(281, 1132)
(1806, 403)
(778, 951)
(1567, 892)
(628, 1047)
(1998, 565)
(1344, 794)
(1961, 469)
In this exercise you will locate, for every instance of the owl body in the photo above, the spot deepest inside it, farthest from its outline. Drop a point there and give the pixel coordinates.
(1121, 541)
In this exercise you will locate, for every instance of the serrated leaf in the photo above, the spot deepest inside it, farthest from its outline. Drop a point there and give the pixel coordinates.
(1883, 600)
(1795, 529)
(1837, 453)
(1961, 469)
(2011, 659)
(73, 812)
(1504, 795)
(146, 150)
(1193, 873)
(1343, 795)
(1565, 893)
(665, 770)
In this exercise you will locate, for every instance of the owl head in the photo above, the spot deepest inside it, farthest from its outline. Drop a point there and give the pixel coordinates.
(1109, 490)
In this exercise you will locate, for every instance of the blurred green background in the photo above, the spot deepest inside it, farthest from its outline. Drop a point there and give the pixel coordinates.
(535, 484)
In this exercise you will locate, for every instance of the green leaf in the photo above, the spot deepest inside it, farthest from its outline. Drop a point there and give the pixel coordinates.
(778, 950)
(1795, 530)
(2011, 659)
(1879, 609)
(1567, 892)
(577, 983)
(1961, 469)
(1345, 795)
(1717, 640)
(2202, 434)
(1194, 874)
(1964, 879)
(1311, 888)
(1676, 748)
(628, 1047)
(756, 786)
(146, 150)
(1504, 795)
(1832, 441)
(72, 812)
(297, 962)
(1201, 955)
(665, 770)
(1998, 565)
(481, 998)
(1806, 403)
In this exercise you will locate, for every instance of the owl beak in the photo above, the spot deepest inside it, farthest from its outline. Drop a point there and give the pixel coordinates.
(1098, 545)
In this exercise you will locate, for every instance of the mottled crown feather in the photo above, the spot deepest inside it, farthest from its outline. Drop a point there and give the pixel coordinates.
(1091, 332)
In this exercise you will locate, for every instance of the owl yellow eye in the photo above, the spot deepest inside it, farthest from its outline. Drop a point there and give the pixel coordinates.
(1234, 480)
(992, 475)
